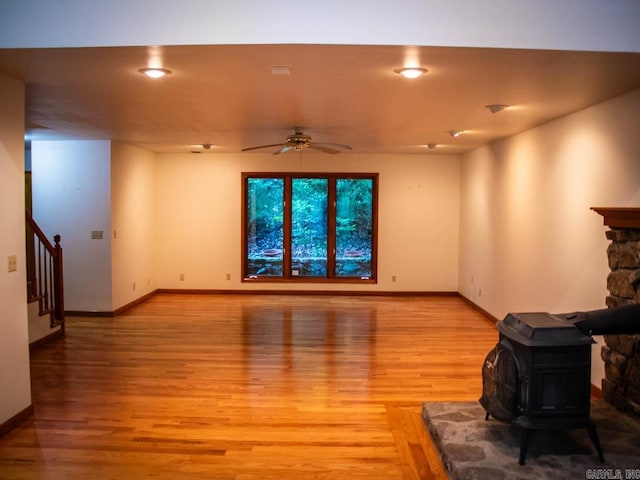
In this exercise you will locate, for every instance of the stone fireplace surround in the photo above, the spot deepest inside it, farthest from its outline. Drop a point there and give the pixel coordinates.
(621, 353)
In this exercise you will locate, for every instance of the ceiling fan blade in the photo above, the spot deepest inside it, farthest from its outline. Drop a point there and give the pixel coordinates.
(298, 141)
(332, 148)
(284, 149)
(334, 145)
(262, 146)
(323, 148)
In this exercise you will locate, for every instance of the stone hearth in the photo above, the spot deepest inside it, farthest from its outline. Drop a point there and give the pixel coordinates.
(472, 448)
(621, 353)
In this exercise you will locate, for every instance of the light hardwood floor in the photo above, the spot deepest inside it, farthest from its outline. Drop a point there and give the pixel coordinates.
(249, 387)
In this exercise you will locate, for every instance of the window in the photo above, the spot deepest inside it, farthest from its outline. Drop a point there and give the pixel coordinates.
(309, 227)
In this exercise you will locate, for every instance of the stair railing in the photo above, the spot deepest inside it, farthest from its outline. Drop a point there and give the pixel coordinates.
(44, 273)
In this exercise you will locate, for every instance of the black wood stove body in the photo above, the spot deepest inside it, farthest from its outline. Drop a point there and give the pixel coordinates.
(539, 374)
(553, 364)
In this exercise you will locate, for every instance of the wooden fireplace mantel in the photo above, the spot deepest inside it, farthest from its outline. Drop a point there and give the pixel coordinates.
(615, 217)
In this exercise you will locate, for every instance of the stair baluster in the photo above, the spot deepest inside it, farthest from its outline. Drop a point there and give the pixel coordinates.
(44, 273)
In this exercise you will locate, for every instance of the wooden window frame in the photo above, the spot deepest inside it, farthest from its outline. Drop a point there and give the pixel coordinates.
(331, 230)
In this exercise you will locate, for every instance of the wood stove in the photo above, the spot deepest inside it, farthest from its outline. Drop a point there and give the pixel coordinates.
(539, 374)
(553, 364)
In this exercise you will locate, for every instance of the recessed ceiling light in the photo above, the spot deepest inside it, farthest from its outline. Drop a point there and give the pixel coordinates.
(455, 133)
(155, 72)
(411, 72)
(496, 107)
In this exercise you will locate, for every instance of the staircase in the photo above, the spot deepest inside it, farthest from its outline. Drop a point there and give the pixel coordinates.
(44, 274)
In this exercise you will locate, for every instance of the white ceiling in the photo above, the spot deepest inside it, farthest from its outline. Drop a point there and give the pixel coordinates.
(227, 95)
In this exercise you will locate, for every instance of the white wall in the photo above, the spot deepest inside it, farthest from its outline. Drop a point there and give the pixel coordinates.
(133, 223)
(528, 239)
(71, 197)
(173, 214)
(198, 205)
(15, 386)
(39, 325)
(545, 24)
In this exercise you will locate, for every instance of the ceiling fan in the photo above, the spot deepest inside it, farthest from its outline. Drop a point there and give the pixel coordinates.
(298, 141)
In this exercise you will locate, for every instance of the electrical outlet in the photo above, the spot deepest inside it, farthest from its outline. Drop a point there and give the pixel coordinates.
(228, 276)
(12, 262)
(182, 277)
(393, 278)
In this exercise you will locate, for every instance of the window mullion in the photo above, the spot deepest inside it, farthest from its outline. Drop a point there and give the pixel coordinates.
(331, 228)
(286, 257)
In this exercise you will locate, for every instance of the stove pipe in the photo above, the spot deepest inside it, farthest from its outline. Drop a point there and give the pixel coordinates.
(608, 321)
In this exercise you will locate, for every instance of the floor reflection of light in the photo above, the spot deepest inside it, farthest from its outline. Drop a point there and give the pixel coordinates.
(311, 352)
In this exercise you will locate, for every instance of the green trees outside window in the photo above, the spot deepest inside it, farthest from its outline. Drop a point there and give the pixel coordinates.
(314, 227)
(354, 226)
(265, 226)
(309, 199)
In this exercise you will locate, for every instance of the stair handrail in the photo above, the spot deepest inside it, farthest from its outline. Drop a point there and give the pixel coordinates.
(47, 284)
